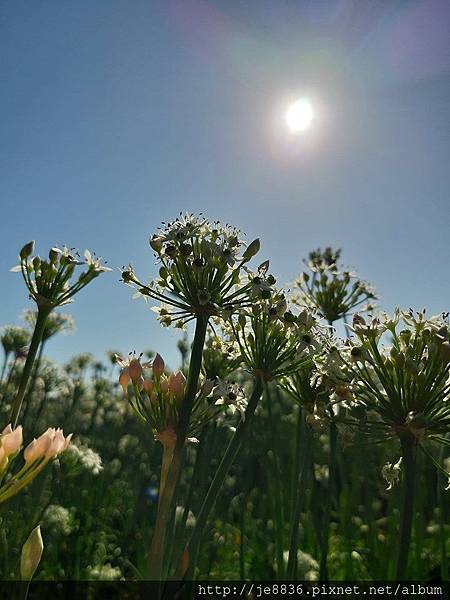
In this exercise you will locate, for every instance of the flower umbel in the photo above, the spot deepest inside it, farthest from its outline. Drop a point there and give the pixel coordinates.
(332, 291)
(200, 270)
(49, 281)
(157, 399)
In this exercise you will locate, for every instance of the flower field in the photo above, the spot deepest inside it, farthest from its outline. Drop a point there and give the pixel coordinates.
(304, 435)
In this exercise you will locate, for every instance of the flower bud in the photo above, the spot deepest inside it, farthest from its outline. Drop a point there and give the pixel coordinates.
(58, 444)
(11, 440)
(135, 370)
(54, 254)
(127, 275)
(124, 379)
(38, 448)
(177, 382)
(31, 554)
(158, 366)
(156, 243)
(27, 250)
(36, 263)
(252, 249)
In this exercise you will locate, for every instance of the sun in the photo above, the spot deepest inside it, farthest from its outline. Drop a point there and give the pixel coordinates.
(299, 115)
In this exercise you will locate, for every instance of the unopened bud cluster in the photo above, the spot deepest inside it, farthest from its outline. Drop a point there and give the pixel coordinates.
(36, 455)
(49, 281)
(157, 398)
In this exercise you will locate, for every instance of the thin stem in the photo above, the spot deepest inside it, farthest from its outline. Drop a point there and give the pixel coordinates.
(409, 454)
(442, 517)
(305, 436)
(156, 553)
(276, 479)
(216, 484)
(166, 461)
(32, 385)
(35, 341)
(323, 569)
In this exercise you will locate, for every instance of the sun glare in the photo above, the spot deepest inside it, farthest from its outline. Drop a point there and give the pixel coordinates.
(299, 115)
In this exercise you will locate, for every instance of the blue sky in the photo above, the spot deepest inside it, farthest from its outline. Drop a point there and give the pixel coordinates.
(117, 115)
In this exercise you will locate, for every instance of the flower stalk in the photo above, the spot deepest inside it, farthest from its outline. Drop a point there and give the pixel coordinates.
(156, 554)
(304, 442)
(38, 332)
(409, 454)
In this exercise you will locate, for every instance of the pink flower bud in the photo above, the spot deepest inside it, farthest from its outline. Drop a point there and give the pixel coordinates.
(124, 379)
(57, 444)
(11, 440)
(38, 448)
(67, 441)
(158, 366)
(134, 370)
(177, 382)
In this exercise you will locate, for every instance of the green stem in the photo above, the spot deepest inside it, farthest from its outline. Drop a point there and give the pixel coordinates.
(442, 517)
(305, 436)
(35, 341)
(32, 385)
(156, 553)
(216, 484)
(276, 480)
(323, 569)
(409, 454)
(296, 466)
(195, 485)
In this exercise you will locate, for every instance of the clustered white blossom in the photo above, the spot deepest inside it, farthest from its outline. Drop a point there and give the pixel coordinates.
(200, 273)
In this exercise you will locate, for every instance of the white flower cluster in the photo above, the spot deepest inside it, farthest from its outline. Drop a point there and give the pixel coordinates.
(85, 457)
(59, 519)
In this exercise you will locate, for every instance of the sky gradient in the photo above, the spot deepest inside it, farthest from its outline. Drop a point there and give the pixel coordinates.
(117, 115)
